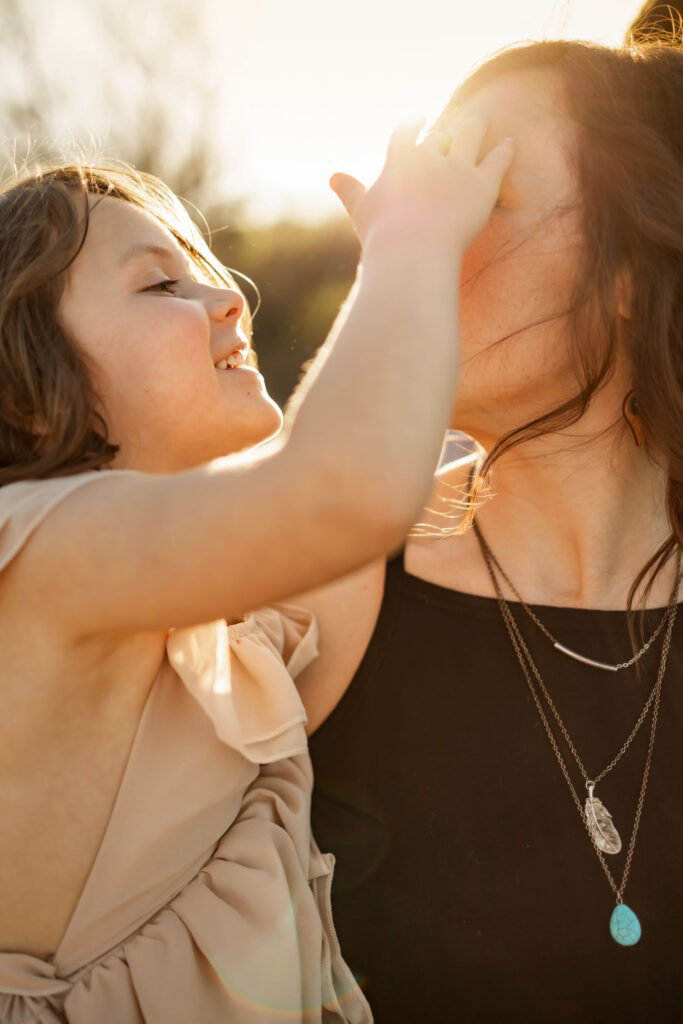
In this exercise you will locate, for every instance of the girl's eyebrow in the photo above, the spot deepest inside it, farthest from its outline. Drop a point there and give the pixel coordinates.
(156, 250)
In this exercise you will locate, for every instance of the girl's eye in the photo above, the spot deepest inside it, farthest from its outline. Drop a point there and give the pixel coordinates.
(165, 286)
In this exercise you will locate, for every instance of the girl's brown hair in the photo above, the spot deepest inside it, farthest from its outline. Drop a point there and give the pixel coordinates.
(628, 107)
(51, 419)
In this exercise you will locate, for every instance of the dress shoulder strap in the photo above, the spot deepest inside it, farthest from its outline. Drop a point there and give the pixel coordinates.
(25, 504)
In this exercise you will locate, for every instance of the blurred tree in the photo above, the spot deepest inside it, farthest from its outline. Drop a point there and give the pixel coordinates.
(146, 74)
(148, 88)
(29, 98)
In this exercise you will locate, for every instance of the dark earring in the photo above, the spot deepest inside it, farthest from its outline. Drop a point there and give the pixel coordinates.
(631, 414)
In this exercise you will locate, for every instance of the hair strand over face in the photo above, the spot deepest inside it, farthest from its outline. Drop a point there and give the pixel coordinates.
(627, 106)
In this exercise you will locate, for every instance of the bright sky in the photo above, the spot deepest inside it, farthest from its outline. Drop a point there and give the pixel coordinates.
(307, 87)
(322, 84)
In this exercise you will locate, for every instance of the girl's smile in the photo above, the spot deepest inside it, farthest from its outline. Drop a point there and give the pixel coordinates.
(168, 350)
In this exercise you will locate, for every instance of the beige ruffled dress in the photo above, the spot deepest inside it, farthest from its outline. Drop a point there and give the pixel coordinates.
(208, 900)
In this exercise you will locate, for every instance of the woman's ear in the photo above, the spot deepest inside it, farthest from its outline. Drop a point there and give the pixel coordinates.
(624, 294)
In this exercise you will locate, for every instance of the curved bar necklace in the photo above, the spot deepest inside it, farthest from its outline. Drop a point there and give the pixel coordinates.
(624, 925)
(606, 666)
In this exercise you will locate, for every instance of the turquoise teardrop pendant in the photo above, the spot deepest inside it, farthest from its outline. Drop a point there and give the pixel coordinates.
(624, 926)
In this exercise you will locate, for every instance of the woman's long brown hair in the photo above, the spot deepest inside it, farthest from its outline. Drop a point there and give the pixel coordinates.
(628, 108)
(51, 417)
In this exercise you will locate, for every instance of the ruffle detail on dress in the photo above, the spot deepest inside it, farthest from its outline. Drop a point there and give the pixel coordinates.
(207, 900)
(241, 676)
(248, 940)
(26, 985)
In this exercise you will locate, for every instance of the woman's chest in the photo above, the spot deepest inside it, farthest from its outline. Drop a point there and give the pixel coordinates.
(442, 794)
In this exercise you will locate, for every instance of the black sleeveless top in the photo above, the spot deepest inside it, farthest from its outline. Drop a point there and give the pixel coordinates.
(466, 888)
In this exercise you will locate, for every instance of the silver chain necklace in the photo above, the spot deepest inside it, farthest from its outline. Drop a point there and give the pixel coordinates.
(624, 925)
(606, 666)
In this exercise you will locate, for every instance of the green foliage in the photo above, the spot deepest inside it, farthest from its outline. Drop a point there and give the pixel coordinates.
(303, 273)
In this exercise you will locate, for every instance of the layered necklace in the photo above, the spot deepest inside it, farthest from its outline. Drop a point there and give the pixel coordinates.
(624, 925)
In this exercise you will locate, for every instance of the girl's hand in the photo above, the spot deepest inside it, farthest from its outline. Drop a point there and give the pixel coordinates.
(432, 189)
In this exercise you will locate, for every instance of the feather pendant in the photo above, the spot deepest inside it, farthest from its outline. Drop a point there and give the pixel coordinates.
(599, 821)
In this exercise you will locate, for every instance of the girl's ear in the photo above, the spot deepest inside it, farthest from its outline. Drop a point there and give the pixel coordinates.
(624, 294)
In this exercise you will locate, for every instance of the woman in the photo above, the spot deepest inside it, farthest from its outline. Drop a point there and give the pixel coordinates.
(156, 857)
(451, 789)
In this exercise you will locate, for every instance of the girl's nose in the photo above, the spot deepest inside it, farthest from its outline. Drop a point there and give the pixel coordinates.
(225, 304)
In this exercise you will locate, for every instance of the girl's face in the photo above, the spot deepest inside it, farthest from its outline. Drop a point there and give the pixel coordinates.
(520, 270)
(153, 336)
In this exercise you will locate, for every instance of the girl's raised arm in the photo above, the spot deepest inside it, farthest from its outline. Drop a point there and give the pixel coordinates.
(132, 552)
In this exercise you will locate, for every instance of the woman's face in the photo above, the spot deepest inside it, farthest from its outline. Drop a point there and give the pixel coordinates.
(520, 270)
(153, 336)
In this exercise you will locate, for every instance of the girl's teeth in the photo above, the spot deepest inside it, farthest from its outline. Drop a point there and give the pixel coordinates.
(230, 363)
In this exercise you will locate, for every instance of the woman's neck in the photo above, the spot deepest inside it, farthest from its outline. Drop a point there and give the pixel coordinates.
(574, 527)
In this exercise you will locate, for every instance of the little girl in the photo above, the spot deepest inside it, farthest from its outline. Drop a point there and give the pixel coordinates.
(156, 859)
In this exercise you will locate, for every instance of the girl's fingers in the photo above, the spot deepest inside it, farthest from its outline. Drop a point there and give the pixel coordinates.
(404, 138)
(468, 136)
(496, 163)
(440, 141)
(349, 190)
